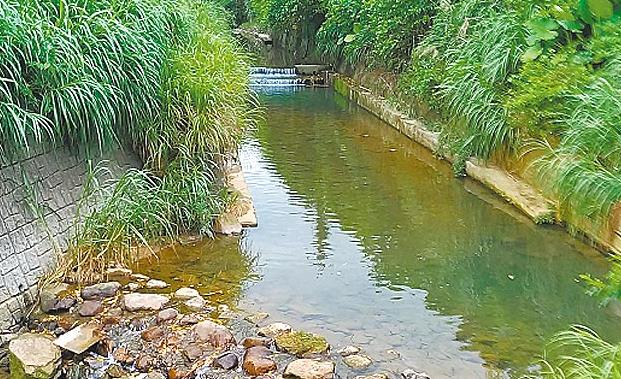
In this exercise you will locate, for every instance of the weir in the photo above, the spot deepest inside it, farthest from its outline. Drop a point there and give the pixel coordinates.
(279, 77)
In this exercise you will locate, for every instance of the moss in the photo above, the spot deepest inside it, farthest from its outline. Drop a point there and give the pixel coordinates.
(302, 343)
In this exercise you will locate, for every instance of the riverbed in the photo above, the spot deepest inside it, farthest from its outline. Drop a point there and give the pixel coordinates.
(366, 238)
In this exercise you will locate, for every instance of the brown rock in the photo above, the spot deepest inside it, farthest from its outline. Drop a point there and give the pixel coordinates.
(193, 352)
(217, 335)
(188, 320)
(101, 290)
(121, 355)
(90, 308)
(257, 361)
(152, 334)
(167, 315)
(178, 373)
(249, 342)
(144, 363)
(309, 369)
(110, 320)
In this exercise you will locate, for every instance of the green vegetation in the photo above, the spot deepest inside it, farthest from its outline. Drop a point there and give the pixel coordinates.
(161, 76)
(505, 76)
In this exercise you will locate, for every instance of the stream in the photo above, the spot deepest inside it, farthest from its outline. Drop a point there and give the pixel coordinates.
(367, 239)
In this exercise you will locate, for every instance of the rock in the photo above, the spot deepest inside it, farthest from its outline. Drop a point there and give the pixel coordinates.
(33, 356)
(140, 277)
(118, 271)
(374, 376)
(227, 224)
(123, 356)
(249, 342)
(104, 347)
(257, 317)
(348, 350)
(116, 371)
(56, 298)
(100, 291)
(144, 363)
(412, 374)
(217, 335)
(156, 284)
(193, 352)
(257, 361)
(152, 334)
(188, 320)
(186, 293)
(133, 287)
(195, 304)
(226, 361)
(155, 375)
(79, 339)
(358, 361)
(301, 344)
(309, 369)
(134, 302)
(167, 315)
(177, 373)
(90, 308)
(275, 329)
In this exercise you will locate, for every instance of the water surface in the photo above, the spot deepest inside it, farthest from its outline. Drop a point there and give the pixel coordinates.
(366, 238)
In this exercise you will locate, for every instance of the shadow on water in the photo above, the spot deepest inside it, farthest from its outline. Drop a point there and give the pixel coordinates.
(371, 236)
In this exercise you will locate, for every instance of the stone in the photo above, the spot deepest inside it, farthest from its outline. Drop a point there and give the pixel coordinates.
(275, 329)
(226, 361)
(178, 373)
(122, 355)
(188, 320)
(135, 302)
(301, 343)
(413, 374)
(133, 287)
(348, 350)
(358, 361)
(216, 335)
(167, 315)
(227, 224)
(155, 375)
(193, 352)
(79, 339)
(257, 317)
(100, 291)
(140, 277)
(118, 271)
(56, 298)
(195, 304)
(152, 334)
(186, 293)
(33, 356)
(116, 371)
(156, 284)
(374, 376)
(144, 363)
(249, 342)
(309, 369)
(257, 361)
(90, 308)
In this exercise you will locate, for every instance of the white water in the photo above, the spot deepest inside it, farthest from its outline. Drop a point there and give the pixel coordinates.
(278, 77)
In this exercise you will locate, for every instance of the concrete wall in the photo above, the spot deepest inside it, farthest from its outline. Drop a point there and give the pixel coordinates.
(38, 198)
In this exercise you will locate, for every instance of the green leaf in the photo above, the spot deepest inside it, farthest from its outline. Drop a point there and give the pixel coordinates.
(532, 53)
(572, 25)
(543, 28)
(601, 9)
(357, 28)
(349, 38)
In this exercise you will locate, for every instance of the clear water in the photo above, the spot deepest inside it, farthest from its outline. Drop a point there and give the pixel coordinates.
(366, 238)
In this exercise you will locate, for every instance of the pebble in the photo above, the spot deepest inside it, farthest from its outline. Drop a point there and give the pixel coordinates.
(167, 315)
(357, 361)
(309, 369)
(144, 302)
(217, 335)
(249, 342)
(152, 334)
(186, 293)
(156, 284)
(348, 350)
(195, 304)
(412, 374)
(257, 317)
(257, 361)
(226, 361)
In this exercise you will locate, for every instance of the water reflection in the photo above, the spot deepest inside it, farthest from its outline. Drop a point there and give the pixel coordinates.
(366, 237)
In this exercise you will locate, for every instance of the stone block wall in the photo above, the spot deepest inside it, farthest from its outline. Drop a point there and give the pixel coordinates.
(38, 204)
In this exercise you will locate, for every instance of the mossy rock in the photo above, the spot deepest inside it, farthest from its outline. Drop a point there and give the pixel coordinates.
(301, 343)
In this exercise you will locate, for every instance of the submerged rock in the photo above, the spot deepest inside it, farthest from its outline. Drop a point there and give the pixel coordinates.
(275, 329)
(90, 308)
(309, 369)
(301, 343)
(101, 291)
(135, 302)
(358, 361)
(167, 315)
(348, 350)
(257, 317)
(186, 293)
(217, 335)
(33, 356)
(257, 361)
(156, 284)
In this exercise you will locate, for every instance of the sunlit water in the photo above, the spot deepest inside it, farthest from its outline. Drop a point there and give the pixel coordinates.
(367, 239)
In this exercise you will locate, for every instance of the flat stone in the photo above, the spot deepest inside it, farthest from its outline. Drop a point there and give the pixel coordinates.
(189, 320)
(100, 291)
(90, 308)
(133, 286)
(156, 284)
(186, 293)
(302, 344)
(227, 224)
(275, 329)
(348, 350)
(257, 317)
(257, 361)
(140, 277)
(358, 361)
(135, 302)
(152, 334)
(118, 271)
(309, 369)
(79, 339)
(226, 361)
(217, 335)
(167, 315)
(33, 356)
(195, 304)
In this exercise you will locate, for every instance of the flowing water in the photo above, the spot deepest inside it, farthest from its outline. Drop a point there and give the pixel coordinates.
(367, 239)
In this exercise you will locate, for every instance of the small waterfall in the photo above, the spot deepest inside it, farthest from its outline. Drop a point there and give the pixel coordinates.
(278, 77)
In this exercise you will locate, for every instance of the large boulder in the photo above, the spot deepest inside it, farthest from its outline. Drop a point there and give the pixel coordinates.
(135, 302)
(217, 335)
(309, 369)
(33, 356)
(100, 291)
